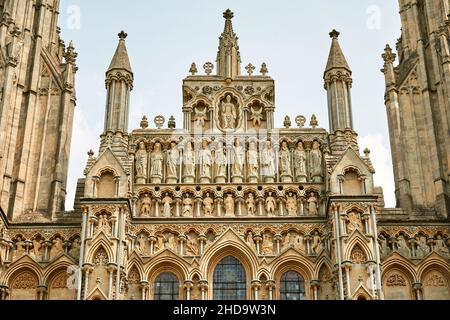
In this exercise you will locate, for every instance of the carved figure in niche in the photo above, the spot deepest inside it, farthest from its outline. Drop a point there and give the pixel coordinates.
(291, 204)
(103, 224)
(200, 116)
(252, 162)
(313, 205)
(267, 244)
(159, 244)
(250, 241)
(384, 247)
(422, 248)
(57, 247)
(157, 162)
(299, 242)
(440, 247)
(141, 163)
(316, 243)
(146, 205)
(354, 222)
(167, 202)
(37, 245)
(171, 241)
(256, 116)
(20, 248)
(271, 204)
(141, 246)
(173, 158)
(238, 159)
(208, 205)
(251, 204)
(191, 246)
(402, 247)
(316, 163)
(229, 205)
(268, 162)
(285, 160)
(206, 161)
(188, 205)
(189, 161)
(228, 114)
(220, 161)
(300, 162)
(74, 251)
(288, 241)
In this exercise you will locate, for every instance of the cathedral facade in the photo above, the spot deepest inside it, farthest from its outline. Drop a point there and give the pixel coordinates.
(225, 206)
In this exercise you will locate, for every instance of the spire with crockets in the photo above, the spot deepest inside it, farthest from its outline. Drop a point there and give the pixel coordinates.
(228, 58)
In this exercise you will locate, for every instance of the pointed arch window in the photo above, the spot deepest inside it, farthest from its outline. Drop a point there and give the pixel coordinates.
(230, 280)
(167, 287)
(292, 286)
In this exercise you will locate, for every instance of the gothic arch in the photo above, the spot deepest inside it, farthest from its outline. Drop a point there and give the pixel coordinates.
(166, 263)
(291, 264)
(58, 286)
(358, 240)
(133, 264)
(101, 243)
(24, 284)
(435, 280)
(56, 267)
(297, 261)
(433, 262)
(24, 263)
(397, 280)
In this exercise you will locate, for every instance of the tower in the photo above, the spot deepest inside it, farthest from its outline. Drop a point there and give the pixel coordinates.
(37, 75)
(417, 102)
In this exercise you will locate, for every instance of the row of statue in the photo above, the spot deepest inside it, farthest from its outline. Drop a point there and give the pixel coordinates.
(415, 248)
(40, 250)
(228, 205)
(236, 165)
(266, 244)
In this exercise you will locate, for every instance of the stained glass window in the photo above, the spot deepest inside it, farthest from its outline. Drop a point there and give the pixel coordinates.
(230, 280)
(292, 286)
(167, 287)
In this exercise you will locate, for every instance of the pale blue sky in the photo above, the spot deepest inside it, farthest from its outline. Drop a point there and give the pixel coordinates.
(165, 37)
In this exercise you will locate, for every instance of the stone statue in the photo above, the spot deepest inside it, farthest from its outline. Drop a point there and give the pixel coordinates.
(267, 245)
(313, 205)
(299, 243)
(229, 114)
(157, 163)
(189, 163)
(167, 208)
(384, 247)
(291, 204)
(141, 246)
(268, 162)
(20, 248)
(252, 163)
(238, 160)
(250, 241)
(188, 205)
(288, 241)
(146, 205)
(251, 205)
(441, 248)
(37, 245)
(300, 163)
(220, 161)
(74, 251)
(285, 161)
(256, 116)
(402, 247)
(316, 243)
(191, 246)
(205, 162)
(173, 157)
(171, 242)
(229, 205)
(103, 224)
(316, 163)
(208, 205)
(354, 222)
(422, 249)
(270, 204)
(141, 164)
(57, 247)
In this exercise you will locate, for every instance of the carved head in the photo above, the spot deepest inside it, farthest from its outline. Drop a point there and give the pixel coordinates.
(252, 145)
(284, 145)
(157, 147)
(316, 145)
(173, 144)
(228, 98)
(205, 144)
(141, 145)
(300, 146)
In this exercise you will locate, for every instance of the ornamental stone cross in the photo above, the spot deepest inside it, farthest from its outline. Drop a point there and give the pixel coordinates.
(300, 121)
(250, 68)
(209, 67)
(159, 121)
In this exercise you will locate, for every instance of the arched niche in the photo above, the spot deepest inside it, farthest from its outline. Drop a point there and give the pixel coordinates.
(24, 285)
(436, 285)
(397, 285)
(59, 287)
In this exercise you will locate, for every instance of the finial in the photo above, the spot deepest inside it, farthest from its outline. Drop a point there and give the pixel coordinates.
(159, 121)
(90, 153)
(314, 123)
(264, 69)
(122, 35)
(388, 56)
(209, 67)
(172, 124)
(193, 69)
(287, 122)
(300, 121)
(144, 122)
(250, 68)
(228, 14)
(334, 34)
(367, 152)
(70, 55)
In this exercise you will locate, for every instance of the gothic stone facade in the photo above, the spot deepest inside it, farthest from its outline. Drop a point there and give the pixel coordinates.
(227, 206)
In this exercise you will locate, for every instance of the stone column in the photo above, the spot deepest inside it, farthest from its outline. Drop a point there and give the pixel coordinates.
(256, 286)
(365, 218)
(418, 290)
(270, 285)
(260, 201)
(87, 268)
(152, 240)
(145, 285)
(301, 205)
(348, 266)
(188, 285)
(157, 205)
(278, 239)
(202, 239)
(204, 289)
(258, 240)
(47, 245)
(182, 239)
(281, 202)
(111, 267)
(370, 270)
(95, 182)
(117, 185)
(239, 202)
(308, 245)
(178, 201)
(41, 291)
(341, 183)
(198, 204)
(315, 285)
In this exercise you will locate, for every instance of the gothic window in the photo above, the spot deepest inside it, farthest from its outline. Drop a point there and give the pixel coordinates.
(230, 280)
(292, 286)
(167, 287)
